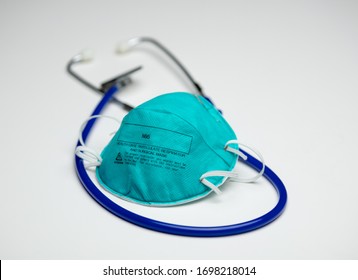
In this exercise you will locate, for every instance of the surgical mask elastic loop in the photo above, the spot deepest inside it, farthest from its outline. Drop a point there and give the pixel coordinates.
(84, 152)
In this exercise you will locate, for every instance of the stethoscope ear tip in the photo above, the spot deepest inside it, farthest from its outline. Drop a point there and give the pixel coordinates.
(86, 55)
(122, 48)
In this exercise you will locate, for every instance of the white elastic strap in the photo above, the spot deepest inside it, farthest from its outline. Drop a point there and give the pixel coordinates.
(230, 174)
(234, 151)
(87, 154)
(216, 173)
(209, 184)
(244, 157)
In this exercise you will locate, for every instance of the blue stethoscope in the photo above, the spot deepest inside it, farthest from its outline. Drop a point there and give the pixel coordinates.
(109, 89)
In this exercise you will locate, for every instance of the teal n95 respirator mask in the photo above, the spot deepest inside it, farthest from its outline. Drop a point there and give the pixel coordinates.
(170, 150)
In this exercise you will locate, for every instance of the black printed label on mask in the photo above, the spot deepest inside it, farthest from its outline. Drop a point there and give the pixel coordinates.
(153, 147)
(155, 137)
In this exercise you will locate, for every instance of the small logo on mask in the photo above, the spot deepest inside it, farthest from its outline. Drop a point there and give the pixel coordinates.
(145, 136)
(119, 159)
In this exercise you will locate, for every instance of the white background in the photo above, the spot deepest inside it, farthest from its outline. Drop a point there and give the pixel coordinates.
(284, 73)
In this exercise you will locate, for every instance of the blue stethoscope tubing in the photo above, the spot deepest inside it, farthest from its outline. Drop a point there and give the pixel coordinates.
(184, 230)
